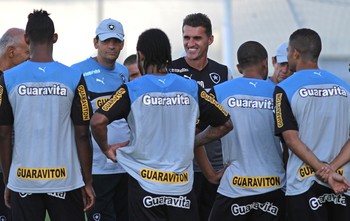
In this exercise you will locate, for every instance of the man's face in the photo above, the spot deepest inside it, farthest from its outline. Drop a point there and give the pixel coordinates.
(196, 42)
(21, 52)
(108, 50)
(282, 71)
(134, 71)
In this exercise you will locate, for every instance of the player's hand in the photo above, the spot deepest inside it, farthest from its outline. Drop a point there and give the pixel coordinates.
(323, 173)
(338, 183)
(88, 197)
(7, 197)
(215, 179)
(111, 152)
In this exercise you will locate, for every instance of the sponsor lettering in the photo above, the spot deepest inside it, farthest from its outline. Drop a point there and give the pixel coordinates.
(211, 100)
(55, 89)
(41, 173)
(60, 195)
(179, 202)
(256, 182)
(322, 92)
(317, 202)
(278, 110)
(164, 177)
(306, 171)
(101, 101)
(84, 102)
(113, 99)
(247, 103)
(176, 70)
(266, 207)
(178, 99)
(91, 72)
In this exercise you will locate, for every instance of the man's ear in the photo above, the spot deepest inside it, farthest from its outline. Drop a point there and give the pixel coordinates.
(95, 40)
(55, 38)
(239, 68)
(10, 51)
(296, 54)
(274, 60)
(211, 39)
(26, 39)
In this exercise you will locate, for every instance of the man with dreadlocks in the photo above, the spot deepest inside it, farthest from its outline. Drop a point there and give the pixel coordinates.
(49, 167)
(161, 110)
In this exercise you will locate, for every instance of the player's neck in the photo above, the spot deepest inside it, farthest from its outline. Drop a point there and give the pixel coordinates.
(155, 70)
(306, 65)
(198, 64)
(41, 53)
(4, 64)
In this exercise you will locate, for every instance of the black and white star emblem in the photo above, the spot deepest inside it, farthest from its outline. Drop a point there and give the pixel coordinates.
(96, 216)
(215, 77)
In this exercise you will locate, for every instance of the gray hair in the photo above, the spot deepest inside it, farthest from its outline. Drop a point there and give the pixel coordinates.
(10, 38)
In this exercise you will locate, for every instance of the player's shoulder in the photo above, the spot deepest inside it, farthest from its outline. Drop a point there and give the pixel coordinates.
(80, 64)
(179, 60)
(178, 63)
(212, 62)
(121, 67)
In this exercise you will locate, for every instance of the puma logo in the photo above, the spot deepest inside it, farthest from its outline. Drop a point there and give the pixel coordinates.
(42, 69)
(100, 80)
(254, 84)
(163, 81)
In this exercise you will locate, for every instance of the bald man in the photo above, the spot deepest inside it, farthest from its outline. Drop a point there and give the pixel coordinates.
(13, 48)
(13, 51)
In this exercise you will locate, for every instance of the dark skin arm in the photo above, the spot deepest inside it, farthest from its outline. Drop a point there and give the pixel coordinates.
(212, 133)
(328, 172)
(6, 157)
(338, 183)
(206, 136)
(84, 147)
(99, 124)
(206, 168)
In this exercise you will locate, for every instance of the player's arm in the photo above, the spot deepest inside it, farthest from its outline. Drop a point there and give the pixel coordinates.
(286, 125)
(212, 113)
(342, 158)
(117, 107)
(81, 114)
(199, 152)
(6, 125)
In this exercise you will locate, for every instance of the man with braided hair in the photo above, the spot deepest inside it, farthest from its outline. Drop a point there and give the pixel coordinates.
(161, 109)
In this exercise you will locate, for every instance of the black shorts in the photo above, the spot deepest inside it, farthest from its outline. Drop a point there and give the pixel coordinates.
(319, 203)
(111, 202)
(66, 206)
(205, 194)
(146, 206)
(268, 207)
(4, 211)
